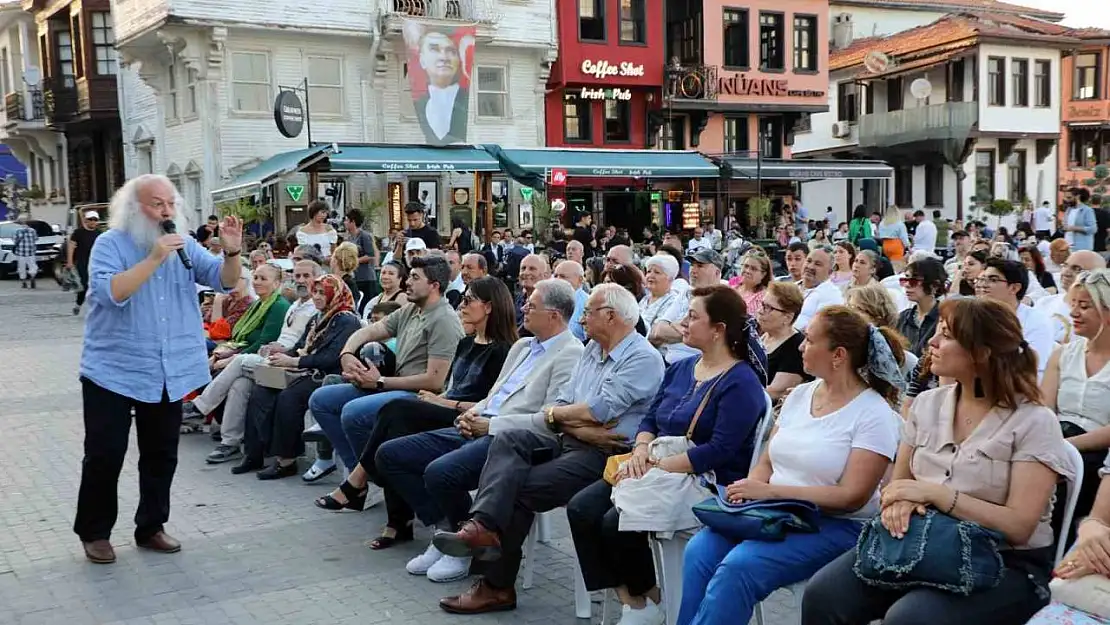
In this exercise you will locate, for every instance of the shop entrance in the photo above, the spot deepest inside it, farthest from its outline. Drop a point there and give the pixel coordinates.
(628, 210)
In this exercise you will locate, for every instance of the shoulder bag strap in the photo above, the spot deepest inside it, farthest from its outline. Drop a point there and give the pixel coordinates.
(704, 401)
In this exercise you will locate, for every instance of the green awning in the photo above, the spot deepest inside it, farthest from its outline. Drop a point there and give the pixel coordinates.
(614, 163)
(267, 172)
(410, 159)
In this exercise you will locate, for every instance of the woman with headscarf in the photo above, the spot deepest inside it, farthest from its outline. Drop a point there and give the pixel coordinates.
(717, 401)
(275, 417)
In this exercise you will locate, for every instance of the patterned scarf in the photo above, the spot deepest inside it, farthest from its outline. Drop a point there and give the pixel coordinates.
(339, 299)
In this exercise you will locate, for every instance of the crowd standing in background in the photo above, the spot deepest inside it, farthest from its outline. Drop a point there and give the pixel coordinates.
(917, 374)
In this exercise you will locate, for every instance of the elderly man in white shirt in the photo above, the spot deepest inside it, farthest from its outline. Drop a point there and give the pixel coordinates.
(1056, 306)
(819, 291)
(698, 241)
(925, 235)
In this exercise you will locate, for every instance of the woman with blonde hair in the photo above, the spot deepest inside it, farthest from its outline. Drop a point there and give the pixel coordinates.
(874, 302)
(983, 450)
(893, 236)
(344, 262)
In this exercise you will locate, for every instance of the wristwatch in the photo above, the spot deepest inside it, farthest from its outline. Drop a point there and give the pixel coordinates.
(379, 385)
(549, 419)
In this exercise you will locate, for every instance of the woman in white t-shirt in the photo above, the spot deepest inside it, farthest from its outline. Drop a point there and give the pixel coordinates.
(834, 440)
(317, 231)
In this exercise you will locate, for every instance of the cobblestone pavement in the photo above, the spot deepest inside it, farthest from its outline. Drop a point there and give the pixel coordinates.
(253, 552)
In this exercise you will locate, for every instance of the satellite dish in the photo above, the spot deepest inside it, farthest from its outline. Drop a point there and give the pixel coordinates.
(32, 76)
(921, 88)
(876, 62)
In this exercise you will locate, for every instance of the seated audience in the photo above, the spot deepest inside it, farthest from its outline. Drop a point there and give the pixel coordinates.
(721, 388)
(427, 331)
(781, 341)
(571, 272)
(632, 280)
(924, 284)
(533, 268)
(435, 471)
(844, 260)
(819, 292)
(873, 302)
(275, 416)
(1056, 306)
(659, 274)
(864, 269)
(983, 450)
(1005, 281)
(705, 271)
(528, 472)
(963, 283)
(343, 263)
(260, 324)
(834, 440)
(1034, 262)
(755, 275)
(233, 305)
(1077, 380)
(488, 308)
(392, 280)
(796, 254)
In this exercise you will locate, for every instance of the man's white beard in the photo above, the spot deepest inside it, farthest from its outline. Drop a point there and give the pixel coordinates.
(143, 231)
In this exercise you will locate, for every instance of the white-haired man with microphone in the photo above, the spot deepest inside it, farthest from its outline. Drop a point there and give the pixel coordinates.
(143, 351)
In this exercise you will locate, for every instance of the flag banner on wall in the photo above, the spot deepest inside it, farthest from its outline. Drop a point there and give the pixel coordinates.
(440, 60)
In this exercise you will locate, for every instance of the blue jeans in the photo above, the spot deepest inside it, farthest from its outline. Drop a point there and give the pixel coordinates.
(347, 415)
(722, 581)
(434, 472)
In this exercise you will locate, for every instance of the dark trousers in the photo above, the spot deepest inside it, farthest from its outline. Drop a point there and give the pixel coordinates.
(516, 485)
(107, 418)
(401, 417)
(369, 290)
(835, 596)
(609, 558)
(277, 416)
(434, 472)
(83, 271)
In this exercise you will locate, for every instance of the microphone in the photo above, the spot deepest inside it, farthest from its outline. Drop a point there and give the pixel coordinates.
(169, 227)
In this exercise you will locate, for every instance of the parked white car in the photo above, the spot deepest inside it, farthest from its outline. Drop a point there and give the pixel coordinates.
(48, 248)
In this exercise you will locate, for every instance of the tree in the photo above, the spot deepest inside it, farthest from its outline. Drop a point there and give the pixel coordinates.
(999, 208)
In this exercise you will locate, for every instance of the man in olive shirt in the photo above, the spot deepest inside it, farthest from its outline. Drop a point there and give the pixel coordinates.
(427, 330)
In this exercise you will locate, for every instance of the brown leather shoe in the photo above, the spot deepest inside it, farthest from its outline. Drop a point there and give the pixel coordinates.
(161, 542)
(473, 540)
(99, 551)
(481, 598)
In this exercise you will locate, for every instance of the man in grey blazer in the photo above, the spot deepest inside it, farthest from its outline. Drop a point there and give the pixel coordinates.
(435, 471)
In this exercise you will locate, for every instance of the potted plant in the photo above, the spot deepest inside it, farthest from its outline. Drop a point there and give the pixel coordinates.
(999, 208)
(34, 193)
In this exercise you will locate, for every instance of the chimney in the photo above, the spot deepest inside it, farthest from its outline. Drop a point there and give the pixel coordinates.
(842, 31)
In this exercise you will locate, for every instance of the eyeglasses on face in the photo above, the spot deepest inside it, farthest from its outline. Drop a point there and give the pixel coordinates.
(910, 282)
(469, 299)
(990, 280)
(586, 312)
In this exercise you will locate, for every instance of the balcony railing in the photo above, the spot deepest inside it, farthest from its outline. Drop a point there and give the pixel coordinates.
(692, 82)
(937, 122)
(59, 99)
(484, 11)
(15, 109)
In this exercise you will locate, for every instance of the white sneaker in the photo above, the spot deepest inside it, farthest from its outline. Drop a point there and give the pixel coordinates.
(421, 563)
(449, 569)
(651, 614)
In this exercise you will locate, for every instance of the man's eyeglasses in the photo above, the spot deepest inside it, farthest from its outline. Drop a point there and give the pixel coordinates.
(990, 280)
(159, 204)
(586, 312)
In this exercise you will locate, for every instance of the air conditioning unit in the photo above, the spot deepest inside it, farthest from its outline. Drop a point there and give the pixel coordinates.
(841, 129)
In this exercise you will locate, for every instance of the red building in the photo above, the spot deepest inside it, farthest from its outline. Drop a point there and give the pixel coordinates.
(609, 73)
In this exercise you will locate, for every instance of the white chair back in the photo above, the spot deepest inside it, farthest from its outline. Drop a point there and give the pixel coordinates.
(1071, 500)
(764, 428)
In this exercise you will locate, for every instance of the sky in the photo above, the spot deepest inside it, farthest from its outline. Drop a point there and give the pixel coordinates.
(1079, 13)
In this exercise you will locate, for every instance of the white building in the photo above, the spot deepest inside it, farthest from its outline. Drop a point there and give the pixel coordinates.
(987, 129)
(22, 120)
(201, 109)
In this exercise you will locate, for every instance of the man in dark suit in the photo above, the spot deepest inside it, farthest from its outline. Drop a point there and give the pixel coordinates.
(443, 110)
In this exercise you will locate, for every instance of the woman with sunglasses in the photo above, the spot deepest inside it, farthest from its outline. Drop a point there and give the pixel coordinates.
(487, 307)
(1077, 379)
(924, 283)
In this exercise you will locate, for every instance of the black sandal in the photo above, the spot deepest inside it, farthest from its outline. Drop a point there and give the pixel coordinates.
(403, 535)
(356, 499)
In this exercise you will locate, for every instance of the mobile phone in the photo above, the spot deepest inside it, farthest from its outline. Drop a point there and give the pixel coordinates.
(542, 455)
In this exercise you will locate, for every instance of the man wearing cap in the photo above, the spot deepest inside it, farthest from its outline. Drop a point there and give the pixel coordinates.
(706, 265)
(418, 229)
(78, 251)
(414, 248)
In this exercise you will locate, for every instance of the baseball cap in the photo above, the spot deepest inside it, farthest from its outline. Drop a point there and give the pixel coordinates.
(92, 215)
(706, 256)
(415, 243)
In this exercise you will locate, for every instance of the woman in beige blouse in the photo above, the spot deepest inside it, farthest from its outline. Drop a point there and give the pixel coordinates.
(983, 450)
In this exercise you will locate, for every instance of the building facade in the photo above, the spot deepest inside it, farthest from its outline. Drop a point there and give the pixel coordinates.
(1085, 123)
(965, 108)
(39, 150)
(202, 107)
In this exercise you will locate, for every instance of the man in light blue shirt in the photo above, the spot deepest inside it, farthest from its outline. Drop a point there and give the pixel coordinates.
(527, 472)
(1080, 224)
(143, 350)
(435, 471)
(572, 273)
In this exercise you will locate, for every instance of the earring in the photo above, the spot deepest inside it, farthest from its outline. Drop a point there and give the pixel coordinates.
(979, 393)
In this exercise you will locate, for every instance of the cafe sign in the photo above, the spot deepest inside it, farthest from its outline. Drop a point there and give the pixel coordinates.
(742, 85)
(1087, 112)
(604, 69)
(605, 94)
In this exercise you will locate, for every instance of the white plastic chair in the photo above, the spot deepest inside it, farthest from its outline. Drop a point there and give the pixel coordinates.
(540, 532)
(668, 553)
(1071, 499)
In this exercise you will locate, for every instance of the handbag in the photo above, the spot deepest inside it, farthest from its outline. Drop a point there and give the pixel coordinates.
(768, 520)
(613, 463)
(277, 378)
(938, 551)
(1090, 594)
